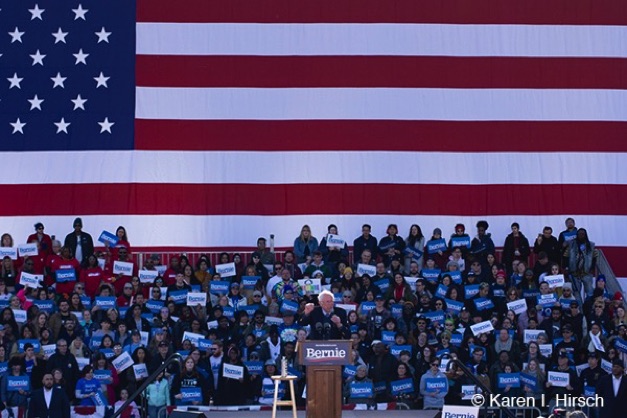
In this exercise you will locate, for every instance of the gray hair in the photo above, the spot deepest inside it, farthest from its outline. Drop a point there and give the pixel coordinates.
(326, 293)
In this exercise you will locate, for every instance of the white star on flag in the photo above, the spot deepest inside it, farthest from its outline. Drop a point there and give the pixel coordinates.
(16, 35)
(17, 126)
(15, 81)
(38, 58)
(36, 12)
(80, 12)
(79, 102)
(80, 57)
(103, 36)
(105, 125)
(59, 36)
(58, 80)
(35, 103)
(101, 80)
(62, 125)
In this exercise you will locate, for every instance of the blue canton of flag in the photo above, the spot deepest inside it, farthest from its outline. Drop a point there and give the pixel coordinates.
(67, 75)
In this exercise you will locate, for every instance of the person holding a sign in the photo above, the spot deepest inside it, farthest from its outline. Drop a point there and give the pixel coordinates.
(232, 379)
(15, 386)
(87, 388)
(190, 387)
(562, 379)
(433, 398)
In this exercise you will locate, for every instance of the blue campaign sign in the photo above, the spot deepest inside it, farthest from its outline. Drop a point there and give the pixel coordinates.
(349, 371)
(402, 386)
(15, 383)
(453, 306)
(530, 293)
(460, 242)
(105, 302)
(219, 287)
(470, 290)
(86, 301)
(65, 275)
(100, 399)
(122, 310)
(528, 380)
(289, 306)
(434, 316)
(387, 336)
(431, 275)
(228, 311)
(250, 309)
(249, 282)
(361, 390)
(620, 344)
(498, 293)
(254, 367)
(107, 352)
(108, 237)
(204, 344)
(483, 304)
(44, 305)
(268, 390)
(442, 352)
(4, 366)
(441, 291)
(413, 252)
(456, 339)
(191, 395)
(436, 384)
(383, 284)
(395, 350)
(380, 386)
(456, 276)
(589, 391)
(397, 310)
(102, 375)
(36, 345)
(95, 341)
(154, 305)
(547, 300)
(435, 245)
(367, 307)
(508, 379)
(179, 296)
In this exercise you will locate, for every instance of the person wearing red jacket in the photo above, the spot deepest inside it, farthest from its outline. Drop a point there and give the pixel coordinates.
(66, 262)
(92, 276)
(45, 242)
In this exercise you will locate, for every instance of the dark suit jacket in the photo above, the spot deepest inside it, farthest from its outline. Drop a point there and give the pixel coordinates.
(614, 406)
(87, 245)
(317, 318)
(59, 405)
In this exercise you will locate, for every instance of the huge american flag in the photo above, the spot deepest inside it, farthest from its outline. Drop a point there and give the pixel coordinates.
(209, 123)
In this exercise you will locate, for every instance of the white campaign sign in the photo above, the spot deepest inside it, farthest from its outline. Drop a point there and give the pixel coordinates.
(196, 298)
(226, 270)
(122, 362)
(27, 249)
(192, 337)
(31, 280)
(335, 241)
(20, 315)
(555, 281)
(148, 276)
(518, 306)
(140, 371)
(123, 267)
(558, 379)
(460, 411)
(366, 269)
(531, 335)
(481, 327)
(231, 371)
(10, 252)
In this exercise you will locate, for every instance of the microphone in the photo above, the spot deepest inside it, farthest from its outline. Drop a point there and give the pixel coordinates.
(327, 330)
(319, 327)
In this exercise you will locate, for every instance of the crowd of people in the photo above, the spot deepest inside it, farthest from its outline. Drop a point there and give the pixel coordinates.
(96, 324)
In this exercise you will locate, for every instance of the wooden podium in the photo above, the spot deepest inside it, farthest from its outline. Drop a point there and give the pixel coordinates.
(324, 361)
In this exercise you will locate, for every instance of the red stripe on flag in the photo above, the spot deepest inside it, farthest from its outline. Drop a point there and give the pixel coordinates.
(295, 199)
(380, 71)
(373, 135)
(571, 12)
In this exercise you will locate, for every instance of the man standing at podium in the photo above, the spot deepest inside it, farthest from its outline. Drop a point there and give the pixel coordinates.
(326, 321)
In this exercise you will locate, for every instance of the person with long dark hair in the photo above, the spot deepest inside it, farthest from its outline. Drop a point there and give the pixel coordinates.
(582, 257)
(416, 242)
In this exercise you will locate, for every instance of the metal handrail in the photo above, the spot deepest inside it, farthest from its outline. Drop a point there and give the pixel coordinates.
(452, 359)
(174, 357)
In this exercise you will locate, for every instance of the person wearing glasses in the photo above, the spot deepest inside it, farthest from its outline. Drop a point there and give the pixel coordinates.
(45, 242)
(433, 398)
